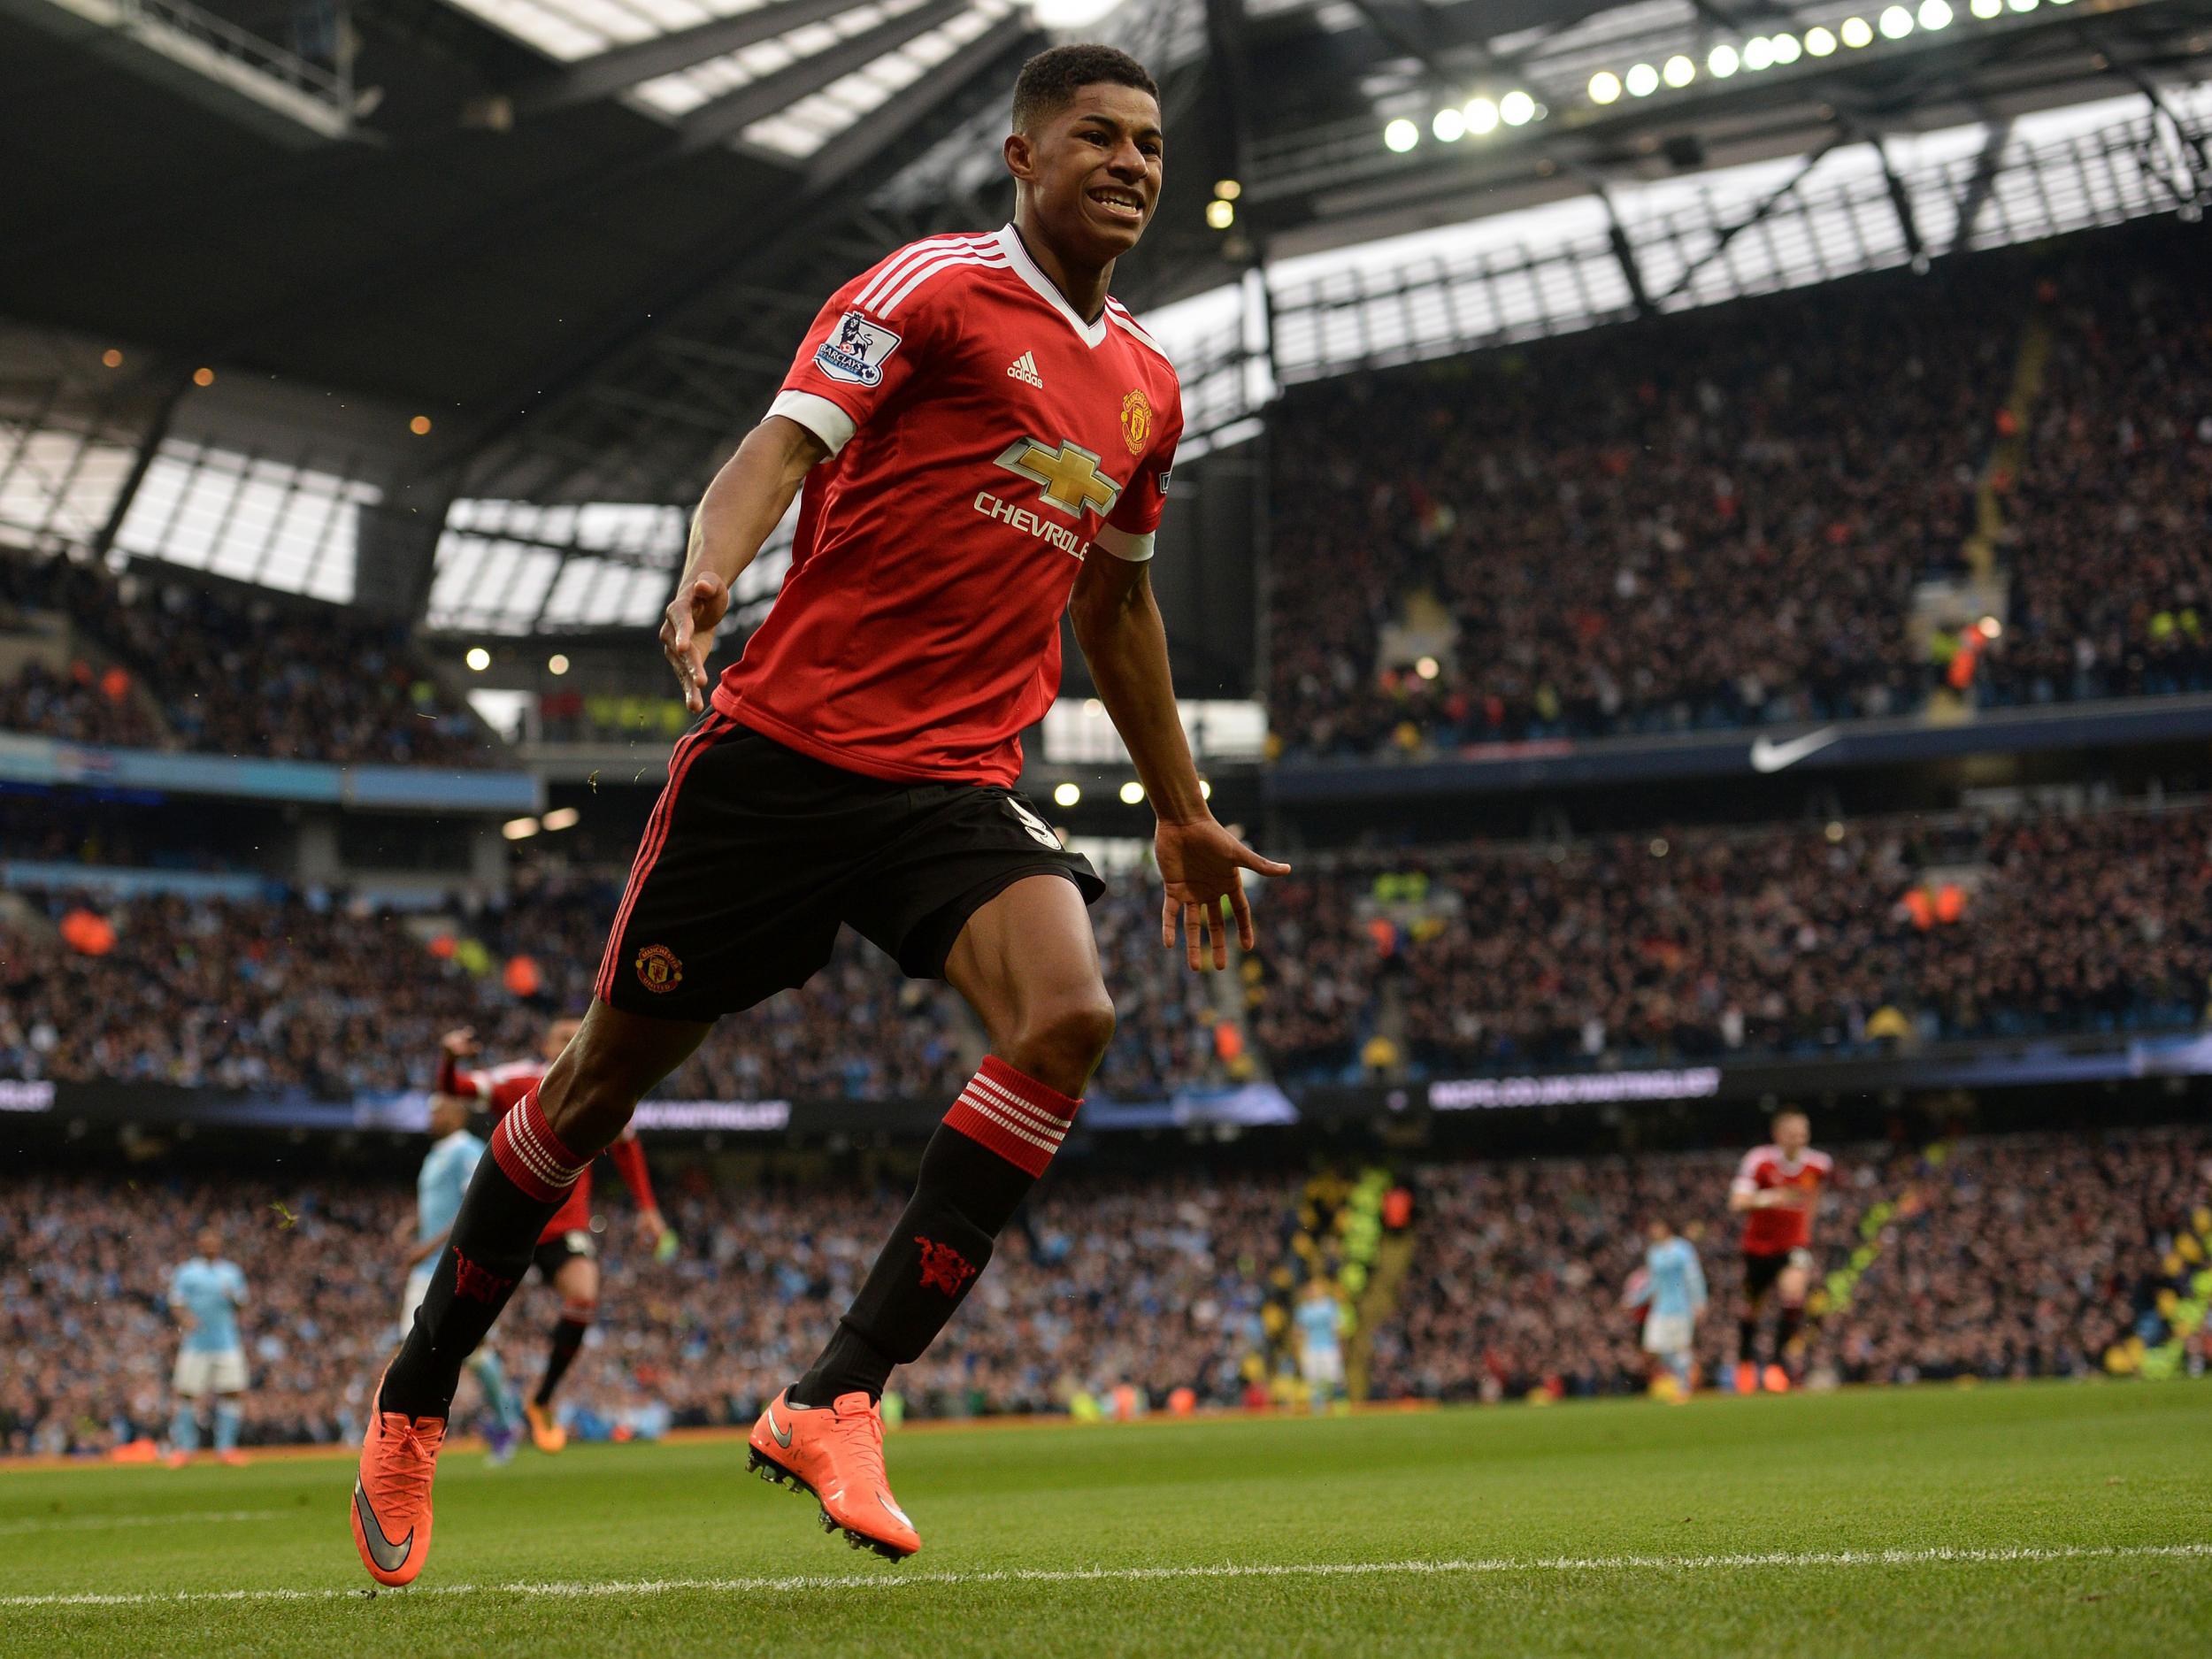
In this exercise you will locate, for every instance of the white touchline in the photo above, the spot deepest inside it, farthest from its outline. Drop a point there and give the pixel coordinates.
(99, 1523)
(891, 1579)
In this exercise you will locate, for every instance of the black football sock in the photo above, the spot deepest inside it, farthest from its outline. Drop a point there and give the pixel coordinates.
(514, 1193)
(977, 1167)
(1787, 1330)
(1748, 1340)
(568, 1337)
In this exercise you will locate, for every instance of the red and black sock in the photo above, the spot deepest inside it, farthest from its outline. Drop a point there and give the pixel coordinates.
(977, 1167)
(514, 1193)
(568, 1337)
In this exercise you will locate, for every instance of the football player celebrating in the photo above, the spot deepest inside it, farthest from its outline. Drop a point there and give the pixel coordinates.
(983, 438)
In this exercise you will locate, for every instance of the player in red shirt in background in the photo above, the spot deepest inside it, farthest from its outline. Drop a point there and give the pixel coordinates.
(566, 1256)
(1776, 1190)
(983, 438)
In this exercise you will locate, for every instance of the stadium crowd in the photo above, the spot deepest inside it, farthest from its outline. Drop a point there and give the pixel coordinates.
(1104, 1283)
(2000, 1256)
(1792, 939)
(1996, 1256)
(1648, 528)
(253, 678)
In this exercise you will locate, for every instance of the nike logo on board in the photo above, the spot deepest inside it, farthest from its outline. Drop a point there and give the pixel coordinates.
(1768, 755)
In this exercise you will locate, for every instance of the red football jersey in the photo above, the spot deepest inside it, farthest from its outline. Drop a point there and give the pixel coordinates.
(1771, 1232)
(501, 1089)
(983, 438)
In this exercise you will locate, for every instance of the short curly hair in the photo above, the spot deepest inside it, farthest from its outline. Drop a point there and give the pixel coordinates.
(1049, 80)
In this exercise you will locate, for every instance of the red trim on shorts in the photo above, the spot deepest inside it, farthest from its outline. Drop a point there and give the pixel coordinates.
(649, 850)
(1013, 1114)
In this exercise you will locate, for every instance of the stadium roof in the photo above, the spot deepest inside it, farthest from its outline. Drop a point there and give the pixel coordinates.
(578, 238)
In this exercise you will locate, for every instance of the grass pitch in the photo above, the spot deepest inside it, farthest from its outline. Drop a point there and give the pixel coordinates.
(2007, 1520)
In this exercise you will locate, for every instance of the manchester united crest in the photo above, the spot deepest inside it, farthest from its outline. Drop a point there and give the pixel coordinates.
(659, 969)
(1136, 421)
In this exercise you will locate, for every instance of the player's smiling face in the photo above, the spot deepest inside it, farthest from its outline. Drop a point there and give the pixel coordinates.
(1095, 169)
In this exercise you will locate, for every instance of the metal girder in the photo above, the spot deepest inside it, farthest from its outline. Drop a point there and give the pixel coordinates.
(1773, 199)
(1983, 185)
(624, 66)
(862, 141)
(727, 117)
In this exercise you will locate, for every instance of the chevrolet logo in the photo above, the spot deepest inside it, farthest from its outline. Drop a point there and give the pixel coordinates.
(1069, 474)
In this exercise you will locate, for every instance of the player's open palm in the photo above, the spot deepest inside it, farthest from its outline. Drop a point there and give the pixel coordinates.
(1202, 863)
(688, 634)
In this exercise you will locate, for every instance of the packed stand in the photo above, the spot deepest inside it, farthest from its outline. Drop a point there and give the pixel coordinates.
(1649, 529)
(1849, 938)
(1997, 1257)
(1104, 1284)
(248, 678)
(335, 997)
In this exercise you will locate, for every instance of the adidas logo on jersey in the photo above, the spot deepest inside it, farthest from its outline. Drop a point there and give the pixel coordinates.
(1025, 368)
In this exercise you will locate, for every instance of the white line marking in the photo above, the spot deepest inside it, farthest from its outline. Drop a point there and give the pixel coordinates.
(92, 1523)
(893, 1579)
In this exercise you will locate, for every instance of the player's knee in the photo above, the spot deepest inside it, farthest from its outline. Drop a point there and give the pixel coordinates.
(1063, 1041)
(588, 1097)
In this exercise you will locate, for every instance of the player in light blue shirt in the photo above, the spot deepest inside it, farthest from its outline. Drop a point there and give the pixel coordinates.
(439, 1189)
(1672, 1295)
(1320, 1324)
(204, 1296)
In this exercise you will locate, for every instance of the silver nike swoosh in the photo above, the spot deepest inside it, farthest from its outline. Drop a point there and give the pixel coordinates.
(777, 1432)
(1768, 755)
(383, 1551)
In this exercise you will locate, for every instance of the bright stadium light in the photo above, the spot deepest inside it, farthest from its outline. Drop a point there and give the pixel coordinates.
(1605, 86)
(1935, 14)
(1482, 116)
(1228, 189)
(1723, 61)
(1517, 109)
(2022, 5)
(1131, 792)
(420, 425)
(1856, 32)
(1401, 135)
(1986, 9)
(557, 664)
(1642, 80)
(1220, 215)
(519, 829)
(1449, 124)
(1068, 795)
(1678, 71)
(1758, 53)
(1895, 23)
(1819, 42)
(1205, 790)
(1786, 50)
(479, 659)
(561, 818)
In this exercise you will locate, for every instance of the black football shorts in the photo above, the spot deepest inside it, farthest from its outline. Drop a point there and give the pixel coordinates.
(754, 854)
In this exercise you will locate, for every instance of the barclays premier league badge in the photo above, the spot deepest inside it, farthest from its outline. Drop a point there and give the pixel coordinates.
(856, 350)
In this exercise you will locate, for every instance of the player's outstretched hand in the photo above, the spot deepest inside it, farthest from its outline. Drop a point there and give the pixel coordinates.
(688, 634)
(460, 1043)
(1201, 865)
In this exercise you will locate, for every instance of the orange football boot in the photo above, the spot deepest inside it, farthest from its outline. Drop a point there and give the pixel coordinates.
(545, 1433)
(1747, 1378)
(836, 1453)
(1775, 1380)
(391, 1499)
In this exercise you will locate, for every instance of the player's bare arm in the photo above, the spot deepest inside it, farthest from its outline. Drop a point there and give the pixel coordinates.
(1118, 623)
(747, 500)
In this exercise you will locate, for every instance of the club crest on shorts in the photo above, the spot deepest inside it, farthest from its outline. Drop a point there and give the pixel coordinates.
(1136, 420)
(943, 1268)
(659, 969)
